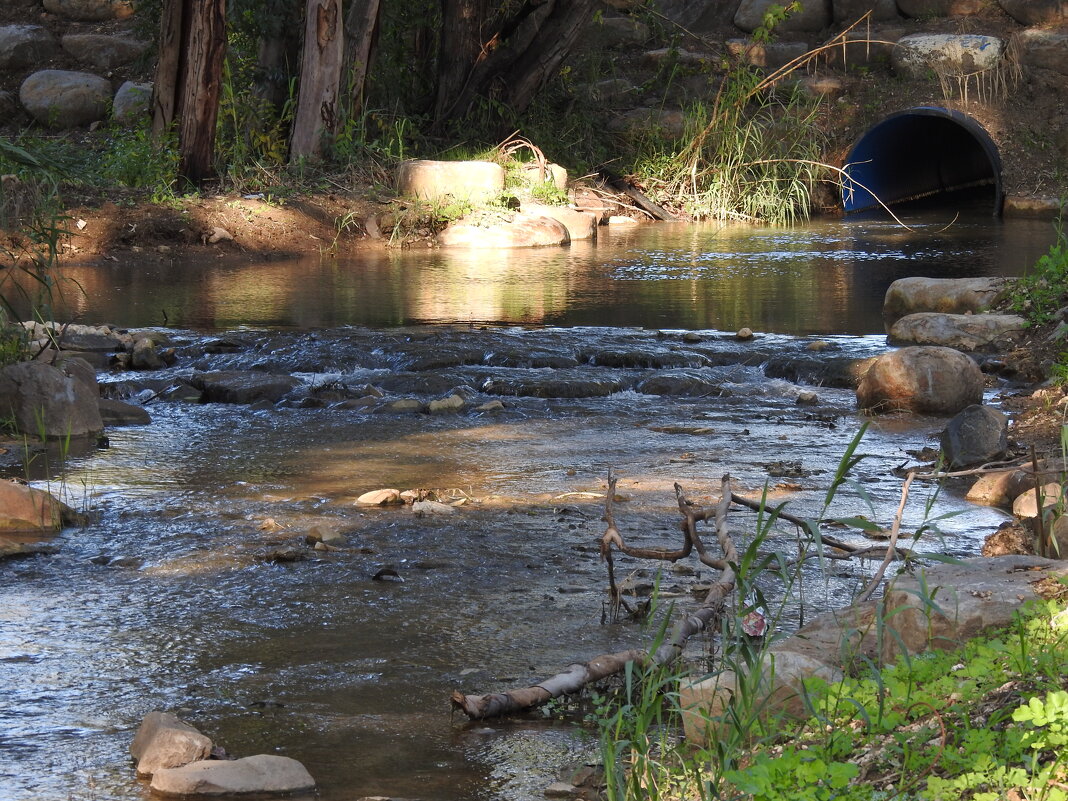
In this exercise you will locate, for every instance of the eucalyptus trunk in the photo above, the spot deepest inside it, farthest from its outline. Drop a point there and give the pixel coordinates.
(320, 79)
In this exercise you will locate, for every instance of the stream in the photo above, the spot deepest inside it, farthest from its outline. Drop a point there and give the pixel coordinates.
(617, 355)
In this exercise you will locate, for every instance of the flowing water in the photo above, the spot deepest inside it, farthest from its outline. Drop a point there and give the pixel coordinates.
(172, 596)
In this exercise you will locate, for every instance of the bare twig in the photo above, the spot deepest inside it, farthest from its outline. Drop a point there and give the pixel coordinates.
(895, 530)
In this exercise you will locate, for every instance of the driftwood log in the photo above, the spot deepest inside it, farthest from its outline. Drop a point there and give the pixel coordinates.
(580, 675)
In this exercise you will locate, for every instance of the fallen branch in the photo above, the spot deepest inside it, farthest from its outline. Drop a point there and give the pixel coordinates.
(580, 675)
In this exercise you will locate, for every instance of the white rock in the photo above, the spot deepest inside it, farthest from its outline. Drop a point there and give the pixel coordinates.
(380, 497)
(265, 773)
(947, 53)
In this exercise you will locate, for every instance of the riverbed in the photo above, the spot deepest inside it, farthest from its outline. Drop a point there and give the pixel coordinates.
(620, 355)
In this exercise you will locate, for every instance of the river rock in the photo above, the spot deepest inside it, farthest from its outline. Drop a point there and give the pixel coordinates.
(90, 10)
(612, 32)
(813, 16)
(450, 403)
(242, 387)
(522, 231)
(102, 51)
(1001, 488)
(43, 401)
(1043, 49)
(132, 103)
(424, 508)
(537, 387)
(849, 11)
(163, 741)
(680, 383)
(941, 8)
(771, 55)
(579, 224)
(23, 46)
(65, 99)
(1030, 207)
(118, 413)
(944, 606)
(926, 380)
(145, 356)
(781, 691)
(463, 180)
(264, 774)
(531, 174)
(978, 434)
(645, 359)
(23, 508)
(1036, 12)
(380, 497)
(1025, 504)
(946, 54)
(968, 332)
(943, 295)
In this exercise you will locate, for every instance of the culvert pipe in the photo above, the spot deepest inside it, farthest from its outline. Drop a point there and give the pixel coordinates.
(920, 153)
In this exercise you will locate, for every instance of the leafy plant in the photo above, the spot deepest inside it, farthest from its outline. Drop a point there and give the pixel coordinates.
(1040, 294)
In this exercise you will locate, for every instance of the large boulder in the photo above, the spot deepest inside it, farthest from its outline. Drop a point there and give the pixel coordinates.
(163, 741)
(90, 10)
(969, 332)
(947, 54)
(1043, 49)
(463, 180)
(23, 508)
(946, 605)
(815, 15)
(264, 774)
(41, 400)
(522, 231)
(102, 51)
(65, 99)
(22, 46)
(943, 295)
(926, 380)
(1036, 12)
(976, 435)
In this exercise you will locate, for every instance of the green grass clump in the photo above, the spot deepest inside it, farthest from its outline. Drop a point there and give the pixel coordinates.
(986, 722)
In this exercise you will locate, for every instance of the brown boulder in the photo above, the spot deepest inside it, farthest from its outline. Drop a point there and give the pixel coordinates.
(925, 380)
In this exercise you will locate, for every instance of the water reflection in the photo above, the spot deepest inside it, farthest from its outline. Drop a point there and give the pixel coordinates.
(829, 277)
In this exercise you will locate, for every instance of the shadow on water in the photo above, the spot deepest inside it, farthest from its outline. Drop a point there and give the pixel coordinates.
(171, 597)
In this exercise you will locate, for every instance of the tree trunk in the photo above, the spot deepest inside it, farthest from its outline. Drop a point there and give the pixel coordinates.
(463, 45)
(361, 27)
(192, 49)
(320, 78)
(514, 63)
(167, 86)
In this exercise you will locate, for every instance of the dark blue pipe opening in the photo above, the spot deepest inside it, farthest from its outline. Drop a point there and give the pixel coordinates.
(920, 153)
